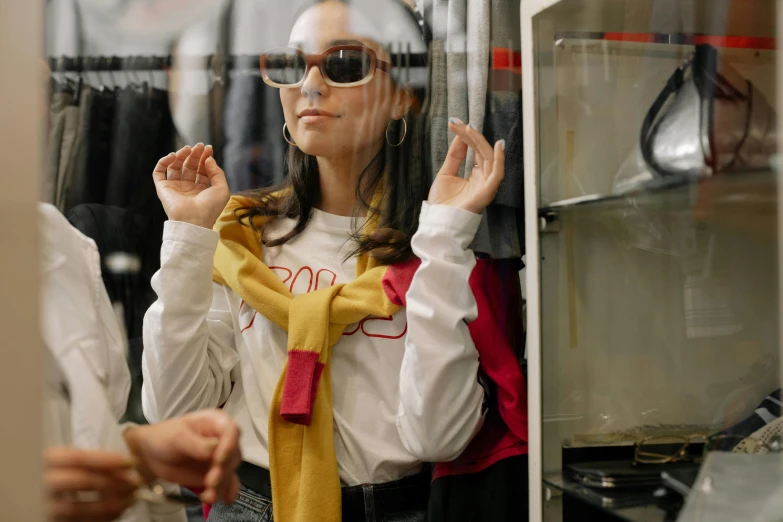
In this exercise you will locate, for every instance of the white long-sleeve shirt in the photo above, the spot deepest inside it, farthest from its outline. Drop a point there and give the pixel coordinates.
(404, 388)
(87, 377)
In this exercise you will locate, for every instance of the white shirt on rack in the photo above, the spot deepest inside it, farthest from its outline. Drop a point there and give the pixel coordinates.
(405, 388)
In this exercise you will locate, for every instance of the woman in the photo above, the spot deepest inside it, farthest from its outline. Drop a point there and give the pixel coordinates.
(94, 466)
(301, 337)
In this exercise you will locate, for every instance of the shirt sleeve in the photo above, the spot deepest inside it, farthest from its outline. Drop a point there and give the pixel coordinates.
(76, 309)
(440, 395)
(189, 342)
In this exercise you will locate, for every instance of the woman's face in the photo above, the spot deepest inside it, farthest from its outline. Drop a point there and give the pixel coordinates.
(352, 119)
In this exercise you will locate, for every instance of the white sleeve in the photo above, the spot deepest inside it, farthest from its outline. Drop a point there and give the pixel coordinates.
(189, 343)
(76, 310)
(440, 396)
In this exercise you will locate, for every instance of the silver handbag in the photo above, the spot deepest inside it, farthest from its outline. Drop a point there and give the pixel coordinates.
(708, 119)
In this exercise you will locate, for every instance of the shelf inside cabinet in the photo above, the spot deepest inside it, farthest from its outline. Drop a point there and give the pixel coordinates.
(726, 194)
(643, 506)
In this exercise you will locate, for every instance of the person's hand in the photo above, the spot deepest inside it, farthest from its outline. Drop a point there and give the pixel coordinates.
(477, 191)
(191, 186)
(196, 450)
(88, 485)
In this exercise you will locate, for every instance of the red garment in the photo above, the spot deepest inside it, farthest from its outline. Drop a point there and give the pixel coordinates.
(504, 433)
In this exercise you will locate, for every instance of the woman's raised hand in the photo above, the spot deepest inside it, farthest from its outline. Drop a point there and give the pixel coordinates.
(477, 191)
(191, 186)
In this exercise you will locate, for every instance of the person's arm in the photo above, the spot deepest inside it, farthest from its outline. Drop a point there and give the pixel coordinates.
(189, 344)
(440, 396)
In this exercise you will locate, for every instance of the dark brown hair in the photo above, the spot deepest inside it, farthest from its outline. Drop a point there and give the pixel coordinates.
(407, 179)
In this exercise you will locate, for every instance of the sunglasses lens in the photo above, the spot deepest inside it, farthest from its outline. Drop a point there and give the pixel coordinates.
(348, 65)
(284, 66)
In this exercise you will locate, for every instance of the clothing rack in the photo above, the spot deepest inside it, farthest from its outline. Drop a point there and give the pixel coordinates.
(163, 63)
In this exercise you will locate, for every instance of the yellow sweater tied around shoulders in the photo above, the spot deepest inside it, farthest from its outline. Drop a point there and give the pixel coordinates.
(302, 461)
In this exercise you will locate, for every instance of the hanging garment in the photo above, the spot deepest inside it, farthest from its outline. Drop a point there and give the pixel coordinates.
(476, 77)
(121, 231)
(118, 230)
(504, 97)
(501, 234)
(61, 101)
(143, 133)
(68, 147)
(495, 494)
(99, 146)
(129, 132)
(457, 62)
(254, 152)
(436, 12)
(467, 63)
(477, 48)
(73, 183)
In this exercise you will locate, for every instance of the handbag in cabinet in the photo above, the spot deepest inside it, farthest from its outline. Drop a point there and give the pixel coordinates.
(708, 119)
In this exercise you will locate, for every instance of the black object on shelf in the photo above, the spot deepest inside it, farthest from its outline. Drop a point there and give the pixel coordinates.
(623, 475)
(643, 504)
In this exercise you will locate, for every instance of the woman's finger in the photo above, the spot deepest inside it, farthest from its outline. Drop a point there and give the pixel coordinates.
(498, 170)
(201, 175)
(215, 174)
(223, 486)
(174, 172)
(233, 490)
(480, 143)
(456, 155)
(159, 174)
(190, 167)
(461, 130)
(215, 424)
(60, 480)
(223, 473)
(95, 460)
(227, 453)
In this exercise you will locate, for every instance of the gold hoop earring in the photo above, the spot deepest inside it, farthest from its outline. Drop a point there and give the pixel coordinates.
(285, 136)
(404, 133)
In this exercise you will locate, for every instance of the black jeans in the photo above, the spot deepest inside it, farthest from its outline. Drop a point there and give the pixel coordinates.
(496, 494)
(254, 507)
(404, 500)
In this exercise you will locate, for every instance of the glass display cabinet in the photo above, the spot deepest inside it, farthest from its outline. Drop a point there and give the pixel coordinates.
(652, 246)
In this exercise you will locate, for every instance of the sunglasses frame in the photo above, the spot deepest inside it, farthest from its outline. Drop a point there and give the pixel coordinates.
(644, 456)
(319, 60)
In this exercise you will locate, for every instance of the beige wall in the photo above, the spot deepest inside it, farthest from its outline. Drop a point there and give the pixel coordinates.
(21, 92)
